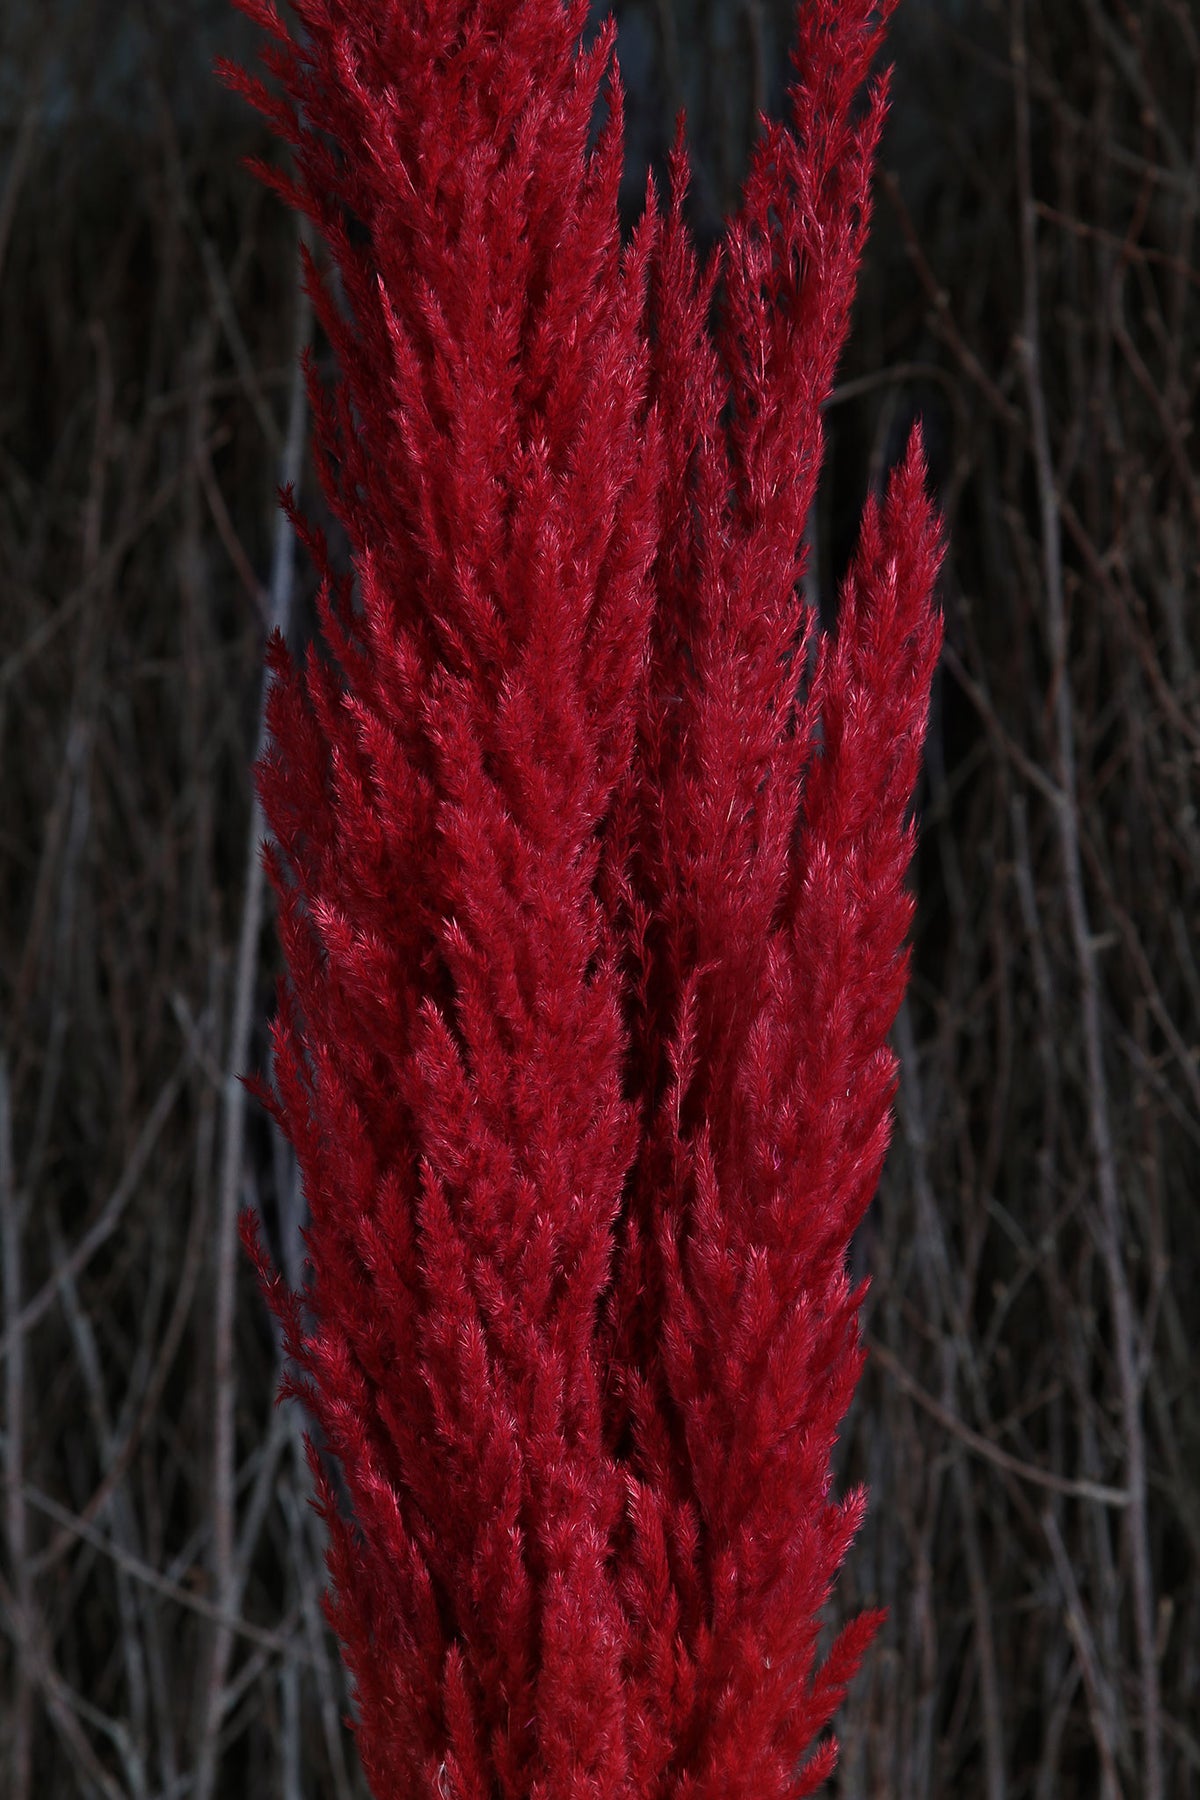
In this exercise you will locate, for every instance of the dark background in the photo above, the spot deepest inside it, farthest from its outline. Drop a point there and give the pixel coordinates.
(1034, 1248)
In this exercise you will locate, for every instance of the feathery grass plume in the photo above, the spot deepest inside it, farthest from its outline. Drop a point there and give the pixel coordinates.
(593, 909)
(762, 897)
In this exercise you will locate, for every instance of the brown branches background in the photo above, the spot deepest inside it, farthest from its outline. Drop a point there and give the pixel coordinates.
(1029, 1422)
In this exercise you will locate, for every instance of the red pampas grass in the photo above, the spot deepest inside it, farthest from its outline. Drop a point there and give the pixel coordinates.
(590, 864)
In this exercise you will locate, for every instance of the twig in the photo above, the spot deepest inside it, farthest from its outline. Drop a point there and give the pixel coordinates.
(943, 317)
(1067, 815)
(1003, 1459)
(224, 1553)
(1004, 741)
(105, 569)
(278, 1642)
(1099, 1699)
(105, 1224)
(63, 1703)
(18, 166)
(11, 1224)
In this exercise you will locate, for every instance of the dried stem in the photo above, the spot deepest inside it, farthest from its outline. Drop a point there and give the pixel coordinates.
(245, 982)
(1129, 1352)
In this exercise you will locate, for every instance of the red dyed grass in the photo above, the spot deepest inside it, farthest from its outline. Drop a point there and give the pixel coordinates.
(593, 906)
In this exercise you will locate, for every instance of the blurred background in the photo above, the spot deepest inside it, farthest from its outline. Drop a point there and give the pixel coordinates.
(1029, 1422)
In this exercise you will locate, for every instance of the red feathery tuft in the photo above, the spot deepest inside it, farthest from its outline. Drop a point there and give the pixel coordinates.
(593, 907)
